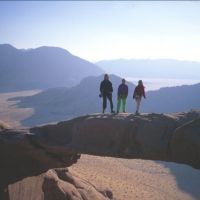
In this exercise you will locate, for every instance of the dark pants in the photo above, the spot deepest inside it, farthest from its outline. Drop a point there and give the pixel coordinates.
(109, 96)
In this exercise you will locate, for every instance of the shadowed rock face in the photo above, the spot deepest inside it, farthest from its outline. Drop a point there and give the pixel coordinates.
(147, 136)
(185, 144)
(21, 158)
(111, 135)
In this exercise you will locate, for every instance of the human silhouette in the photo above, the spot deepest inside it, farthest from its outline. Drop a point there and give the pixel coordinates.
(139, 92)
(122, 95)
(106, 90)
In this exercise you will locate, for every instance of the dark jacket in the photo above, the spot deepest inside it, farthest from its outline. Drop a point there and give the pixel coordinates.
(122, 90)
(139, 92)
(106, 87)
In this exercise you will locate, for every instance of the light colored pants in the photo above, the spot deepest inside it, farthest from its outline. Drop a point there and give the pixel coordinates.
(123, 100)
(138, 101)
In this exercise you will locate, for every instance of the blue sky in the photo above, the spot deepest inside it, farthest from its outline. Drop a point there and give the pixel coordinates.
(98, 30)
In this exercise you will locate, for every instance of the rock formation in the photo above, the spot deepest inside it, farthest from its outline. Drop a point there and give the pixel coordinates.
(56, 184)
(21, 158)
(148, 136)
(25, 153)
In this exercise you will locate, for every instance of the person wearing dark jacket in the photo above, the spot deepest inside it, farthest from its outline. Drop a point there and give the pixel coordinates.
(138, 94)
(122, 95)
(106, 90)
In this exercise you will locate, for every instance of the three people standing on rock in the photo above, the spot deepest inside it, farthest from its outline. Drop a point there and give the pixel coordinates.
(106, 90)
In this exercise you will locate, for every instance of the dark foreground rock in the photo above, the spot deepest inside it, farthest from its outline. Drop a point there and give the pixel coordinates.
(185, 144)
(20, 157)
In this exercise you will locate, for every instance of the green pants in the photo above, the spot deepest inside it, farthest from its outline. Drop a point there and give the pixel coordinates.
(123, 100)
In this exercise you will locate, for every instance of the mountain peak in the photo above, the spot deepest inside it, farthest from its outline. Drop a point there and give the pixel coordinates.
(28, 67)
(51, 49)
(7, 47)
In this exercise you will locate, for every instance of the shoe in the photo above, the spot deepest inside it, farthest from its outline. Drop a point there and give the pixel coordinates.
(112, 111)
(137, 113)
(103, 111)
(117, 112)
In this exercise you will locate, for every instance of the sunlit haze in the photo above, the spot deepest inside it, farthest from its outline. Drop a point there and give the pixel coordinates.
(99, 30)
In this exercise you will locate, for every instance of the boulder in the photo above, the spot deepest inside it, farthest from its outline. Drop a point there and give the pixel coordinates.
(57, 184)
(20, 158)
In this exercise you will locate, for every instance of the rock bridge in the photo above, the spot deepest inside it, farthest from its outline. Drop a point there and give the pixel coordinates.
(168, 137)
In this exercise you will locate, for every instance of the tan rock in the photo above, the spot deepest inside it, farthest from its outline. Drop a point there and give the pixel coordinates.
(56, 184)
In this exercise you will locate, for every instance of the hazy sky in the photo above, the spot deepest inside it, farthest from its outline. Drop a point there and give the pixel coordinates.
(96, 30)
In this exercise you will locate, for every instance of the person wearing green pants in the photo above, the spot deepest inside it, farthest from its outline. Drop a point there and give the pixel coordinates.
(122, 95)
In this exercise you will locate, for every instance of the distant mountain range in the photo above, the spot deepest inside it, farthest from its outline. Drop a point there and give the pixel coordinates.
(64, 103)
(173, 99)
(41, 68)
(158, 68)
